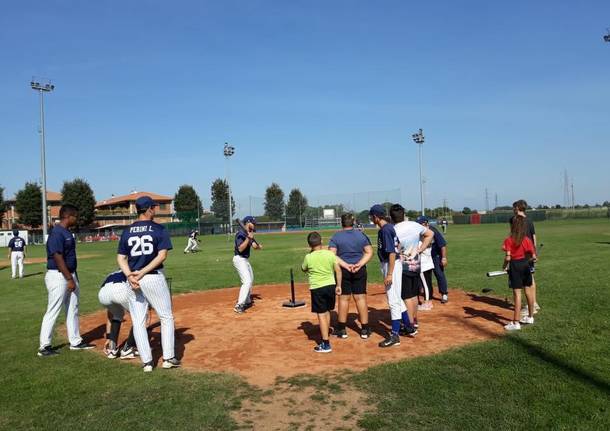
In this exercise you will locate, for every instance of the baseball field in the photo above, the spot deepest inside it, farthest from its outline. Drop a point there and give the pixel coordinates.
(552, 375)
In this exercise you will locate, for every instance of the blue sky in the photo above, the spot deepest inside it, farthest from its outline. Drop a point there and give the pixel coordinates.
(315, 94)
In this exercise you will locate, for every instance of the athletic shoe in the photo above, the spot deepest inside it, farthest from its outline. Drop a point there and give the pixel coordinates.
(239, 308)
(392, 340)
(415, 323)
(536, 307)
(82, 346)
(444, 299)
(365, 333)
(47, 351)
(112, 351)
(171, 363)
(341, 333)
(147, 367)
(513, 326)
(248, 305)
(527, 320)
(128, 352)
(323, 348)
(408, 331)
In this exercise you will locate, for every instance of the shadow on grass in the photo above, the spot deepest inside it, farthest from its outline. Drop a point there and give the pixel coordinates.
(602, 242)
(569, 369)
(496, 302)
(33, 274)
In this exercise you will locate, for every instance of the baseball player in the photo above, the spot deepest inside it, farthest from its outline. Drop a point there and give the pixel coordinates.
(244, 240)
(143, 248)
(117, 296)
(16, 253)
(191, 245)
(62, 284)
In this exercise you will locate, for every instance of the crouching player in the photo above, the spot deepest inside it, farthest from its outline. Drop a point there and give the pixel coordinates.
(117, 296)
(324, 275)
(519, 250)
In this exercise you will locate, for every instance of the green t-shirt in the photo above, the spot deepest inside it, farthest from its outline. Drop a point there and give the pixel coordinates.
(320, 267)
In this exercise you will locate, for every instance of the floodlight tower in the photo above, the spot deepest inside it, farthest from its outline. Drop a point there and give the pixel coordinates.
(42, 88)
(418, 138)
(228, 152)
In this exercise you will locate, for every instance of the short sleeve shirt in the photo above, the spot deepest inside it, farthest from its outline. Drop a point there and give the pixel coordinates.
(240, 237)
(387, 242)
(16, 244)
(350, 245)
(141, 243)
(438, 242)
(115, 277)
(62, 242)
(320, 267)
(409, 234)
(518, 252)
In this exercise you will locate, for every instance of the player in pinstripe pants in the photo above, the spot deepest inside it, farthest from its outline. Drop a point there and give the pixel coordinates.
(244, 240)
(117, 296)
(143, 248)
(62, 284)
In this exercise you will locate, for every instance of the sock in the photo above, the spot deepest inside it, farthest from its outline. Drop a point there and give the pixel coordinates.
(405, 319)
(130, 340)
(340, 326)
(115, 327)
(395, 326)
(365, 326)
(325, 343)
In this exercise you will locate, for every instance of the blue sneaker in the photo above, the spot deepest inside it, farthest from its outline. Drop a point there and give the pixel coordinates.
(323, 348)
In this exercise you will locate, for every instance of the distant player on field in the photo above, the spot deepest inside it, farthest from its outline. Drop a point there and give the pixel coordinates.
(192, 243)
(16, 254)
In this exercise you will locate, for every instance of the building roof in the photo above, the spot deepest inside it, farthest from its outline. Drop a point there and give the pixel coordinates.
(51, 197)
(131, 197)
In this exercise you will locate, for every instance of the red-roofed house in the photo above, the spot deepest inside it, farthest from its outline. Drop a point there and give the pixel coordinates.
(121, 210)
(11, 216)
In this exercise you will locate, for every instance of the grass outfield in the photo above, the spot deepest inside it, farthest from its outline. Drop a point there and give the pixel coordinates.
(554, 375)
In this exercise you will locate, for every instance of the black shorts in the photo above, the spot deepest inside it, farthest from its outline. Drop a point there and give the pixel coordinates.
(353, 283)
(411, 283)
(519, 274)
(323, 299)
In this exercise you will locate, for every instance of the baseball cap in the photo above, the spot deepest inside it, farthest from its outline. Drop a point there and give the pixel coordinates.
(377, 210)
(145, 202)
(15, 232)
(421, 219)
(249, 219)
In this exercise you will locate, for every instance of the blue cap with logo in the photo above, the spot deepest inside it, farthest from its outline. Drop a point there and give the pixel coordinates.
(145, 202)
(377, 210)
(249, 219)
(422, 219)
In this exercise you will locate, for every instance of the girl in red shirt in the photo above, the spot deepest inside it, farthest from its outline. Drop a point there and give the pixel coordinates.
(519, 251)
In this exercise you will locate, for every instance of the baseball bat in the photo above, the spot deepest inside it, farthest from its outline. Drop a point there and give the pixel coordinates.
(243, 227)
(499, 273)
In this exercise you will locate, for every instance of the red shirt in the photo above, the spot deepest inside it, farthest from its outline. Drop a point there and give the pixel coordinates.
(518, 252)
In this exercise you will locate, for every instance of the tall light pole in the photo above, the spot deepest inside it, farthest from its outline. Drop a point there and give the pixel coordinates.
(228, 152)
(418, 138)
(43, 88)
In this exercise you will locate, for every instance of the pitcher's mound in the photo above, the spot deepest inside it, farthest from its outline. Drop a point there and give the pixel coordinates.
(270, 341)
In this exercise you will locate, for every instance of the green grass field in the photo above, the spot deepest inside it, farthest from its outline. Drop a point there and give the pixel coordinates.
(554, 375)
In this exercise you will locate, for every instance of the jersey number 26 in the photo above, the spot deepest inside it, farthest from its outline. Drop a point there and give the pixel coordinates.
(141, 245)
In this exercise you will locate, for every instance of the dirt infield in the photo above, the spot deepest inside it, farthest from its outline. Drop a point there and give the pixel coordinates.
(270, 341)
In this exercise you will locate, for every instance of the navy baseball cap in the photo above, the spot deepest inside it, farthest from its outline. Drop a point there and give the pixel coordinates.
(422, 219)
(249, 219)
(15, 232)
(145, 202)
(377, 210)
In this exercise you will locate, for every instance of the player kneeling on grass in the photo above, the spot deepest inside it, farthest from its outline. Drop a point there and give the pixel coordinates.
(324, 283)
(519, 251)
(117, 296)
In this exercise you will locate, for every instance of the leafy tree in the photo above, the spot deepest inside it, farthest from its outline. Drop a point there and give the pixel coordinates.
(363, 216)
(28, 203)
(220, 199)
(187, 203)
(466, 210)
(2, 202)
(297, 203)
(274, 202)
(78, 192)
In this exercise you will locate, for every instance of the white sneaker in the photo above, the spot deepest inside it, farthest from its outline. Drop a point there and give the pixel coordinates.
(527, 320)
(536, 307)
(513, 326)
(525, 311)
(148, 367)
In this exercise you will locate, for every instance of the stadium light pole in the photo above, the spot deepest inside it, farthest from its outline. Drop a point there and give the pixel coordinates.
(228, 152)
(418, 138)
(43, 88)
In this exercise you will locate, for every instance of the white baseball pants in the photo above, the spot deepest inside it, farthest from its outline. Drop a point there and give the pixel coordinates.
(190, 245)
(16, 262)
(57, 288)
(155, 290)
(394, 291)
(246, 277)
(118, 297)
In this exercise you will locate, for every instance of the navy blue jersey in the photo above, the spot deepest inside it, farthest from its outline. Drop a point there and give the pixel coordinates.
(115, 277)
(386, 242)
(16, 243)
(350, 245)
(141, 243)
(240, 237)
(61, 241)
